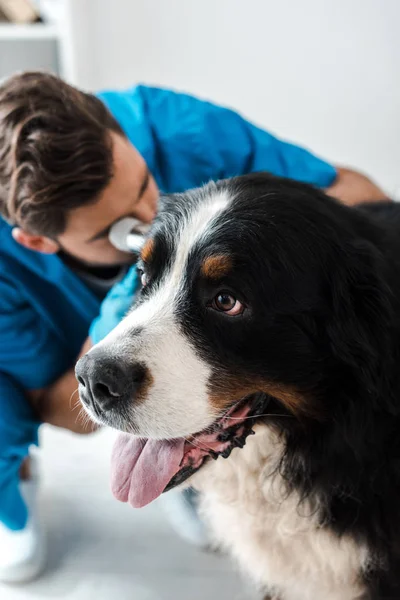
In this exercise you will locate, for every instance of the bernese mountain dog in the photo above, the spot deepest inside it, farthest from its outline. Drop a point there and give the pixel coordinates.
(261, 365)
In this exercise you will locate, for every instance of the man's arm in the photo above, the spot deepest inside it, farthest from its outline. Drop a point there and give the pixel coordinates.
(59, 404)
(31, 356)
(351, 187)
(231, 146)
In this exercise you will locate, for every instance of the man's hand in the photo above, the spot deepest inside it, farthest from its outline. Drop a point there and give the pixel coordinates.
(351, 187)
(59, 404)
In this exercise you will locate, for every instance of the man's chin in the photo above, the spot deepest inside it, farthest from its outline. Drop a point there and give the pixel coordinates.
(77, 262)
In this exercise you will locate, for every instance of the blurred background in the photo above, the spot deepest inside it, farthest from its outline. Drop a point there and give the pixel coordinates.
(322, 73)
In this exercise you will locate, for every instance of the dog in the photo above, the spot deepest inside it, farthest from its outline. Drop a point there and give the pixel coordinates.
(261, 366)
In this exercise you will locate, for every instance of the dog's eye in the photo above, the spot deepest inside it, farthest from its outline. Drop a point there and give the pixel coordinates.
(228, 304)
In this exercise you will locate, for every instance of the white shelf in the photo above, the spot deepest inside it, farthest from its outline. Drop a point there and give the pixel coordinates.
(48, 46)
(34, 31)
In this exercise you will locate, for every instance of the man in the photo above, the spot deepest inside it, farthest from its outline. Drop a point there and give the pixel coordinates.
(72, 164)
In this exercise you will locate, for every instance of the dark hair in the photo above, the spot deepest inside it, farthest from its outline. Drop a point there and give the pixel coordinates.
(55, 151)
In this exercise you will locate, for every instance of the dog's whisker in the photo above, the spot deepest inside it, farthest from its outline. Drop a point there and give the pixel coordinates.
(83, 418)
(72, 395)
(192, 441)
(201, 447)
(263, 415)
(76, 405)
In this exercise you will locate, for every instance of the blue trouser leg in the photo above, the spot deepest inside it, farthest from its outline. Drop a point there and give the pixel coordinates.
(18, 431)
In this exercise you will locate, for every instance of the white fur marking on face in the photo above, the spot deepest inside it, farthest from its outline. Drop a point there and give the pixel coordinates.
(177, 402)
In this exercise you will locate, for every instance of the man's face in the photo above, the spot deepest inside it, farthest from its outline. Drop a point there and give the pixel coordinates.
(132, 192)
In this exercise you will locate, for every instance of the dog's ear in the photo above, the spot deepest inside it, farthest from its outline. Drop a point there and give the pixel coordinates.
(361, 323)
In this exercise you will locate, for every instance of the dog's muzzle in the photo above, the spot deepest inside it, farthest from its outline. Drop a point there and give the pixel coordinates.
(105, 383)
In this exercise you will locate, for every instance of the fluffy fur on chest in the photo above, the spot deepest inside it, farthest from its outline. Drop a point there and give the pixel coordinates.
(277, 539)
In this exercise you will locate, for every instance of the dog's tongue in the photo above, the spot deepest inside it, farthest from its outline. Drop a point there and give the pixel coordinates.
(141, 469)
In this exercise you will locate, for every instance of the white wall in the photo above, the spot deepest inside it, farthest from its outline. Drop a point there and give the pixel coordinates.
(323, 73)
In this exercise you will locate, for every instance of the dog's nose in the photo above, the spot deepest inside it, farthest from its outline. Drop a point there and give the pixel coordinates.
(105, 381)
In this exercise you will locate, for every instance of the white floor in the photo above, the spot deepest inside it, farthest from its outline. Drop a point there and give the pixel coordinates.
(100, 549)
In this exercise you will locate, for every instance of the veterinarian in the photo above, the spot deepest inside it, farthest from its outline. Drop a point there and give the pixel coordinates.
(71, 164)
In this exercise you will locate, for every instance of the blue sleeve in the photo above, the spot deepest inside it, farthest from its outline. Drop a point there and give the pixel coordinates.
(115, 306)
(30, 352)
(231, 145)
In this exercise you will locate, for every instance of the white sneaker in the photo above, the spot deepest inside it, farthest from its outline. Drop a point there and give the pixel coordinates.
(22, 553)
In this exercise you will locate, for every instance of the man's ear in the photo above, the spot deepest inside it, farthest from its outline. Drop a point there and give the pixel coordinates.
(38, 243)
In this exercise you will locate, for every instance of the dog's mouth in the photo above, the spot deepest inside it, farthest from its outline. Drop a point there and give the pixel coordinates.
(142, 469)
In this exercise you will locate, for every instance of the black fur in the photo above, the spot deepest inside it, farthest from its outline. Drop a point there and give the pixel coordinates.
(321, 283)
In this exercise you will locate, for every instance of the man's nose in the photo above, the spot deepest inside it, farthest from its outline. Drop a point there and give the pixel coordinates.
(106, 382)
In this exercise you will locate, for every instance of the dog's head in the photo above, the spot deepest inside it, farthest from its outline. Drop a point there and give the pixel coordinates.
(260, 295)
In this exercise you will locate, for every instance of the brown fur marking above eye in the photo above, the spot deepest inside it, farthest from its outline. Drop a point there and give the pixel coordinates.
(147, 251)
(217, 266)
(232, 389)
